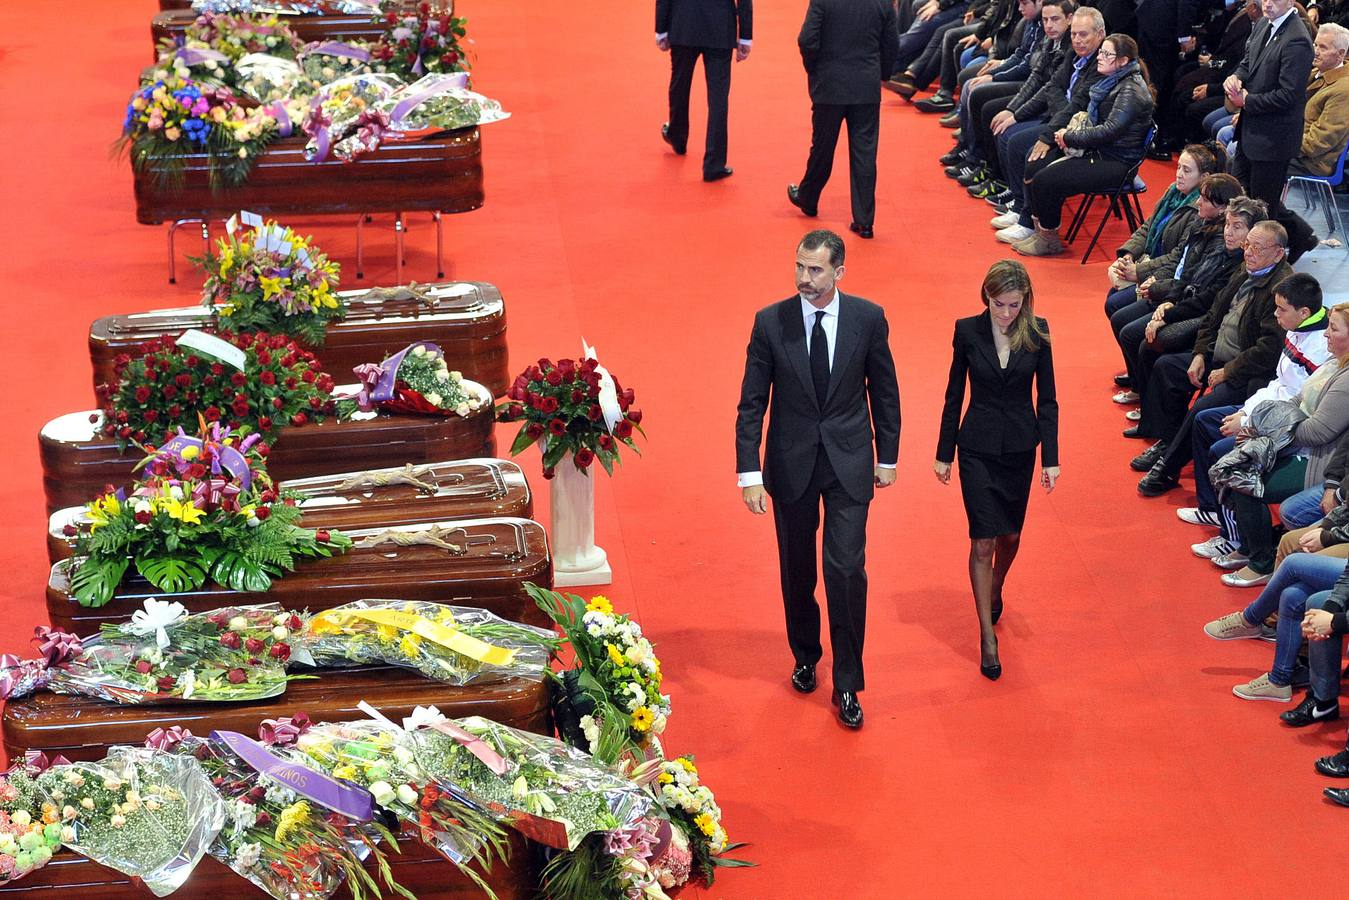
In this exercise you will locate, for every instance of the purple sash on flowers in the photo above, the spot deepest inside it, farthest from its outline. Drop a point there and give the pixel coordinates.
(195, 57)
(379, 380)
(230, 459)
(277, 110)
(407, 104)
(320, 123)
(338, 48)
(351, 801)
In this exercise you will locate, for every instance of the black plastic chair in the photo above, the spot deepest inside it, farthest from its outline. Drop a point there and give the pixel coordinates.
(1124, 204)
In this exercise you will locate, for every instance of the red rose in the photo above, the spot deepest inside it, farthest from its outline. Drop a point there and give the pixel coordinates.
(322, 536)
(230, 639)
(217, 369)
(143, 666)
(239, 408)
(625, 398)
(69, 530)
(238, 379)
(635, 416)
(217, 619)
(534, 373)
(212, 414)
(264, 358)
(623, 429)
(151, 415)
(584, 457)
(253, 645)
(167, 683)
(193, 360)
(278, 403)
(267, 377)
(534, 429)
(265, 423)
(315, 402)
(448, 59)
(294, 622)
(254, 661)
(262, 450)
(299, 419)
(594, 413)
(453, 58)
(548, 405)
(292, 383)
(122, 417)
(183, 380)
(196, 470)
(308, 376)
(606, 442)
(237, 676)
(549, 472)
(142, 394)
(124, 432)
(578, 396)
(143, 517)
(279, 651)
(554, 378)
(557, 427)
(138, 436)
(391, 17)
(515, 411)
(262, 513)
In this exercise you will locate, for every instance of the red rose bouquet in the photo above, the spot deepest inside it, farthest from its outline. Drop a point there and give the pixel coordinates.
(420, 40)
(574, 407)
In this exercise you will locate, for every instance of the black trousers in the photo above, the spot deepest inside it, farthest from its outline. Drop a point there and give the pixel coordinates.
(978, 97)
(1264, 180)
(1054, 178)
(864, 123)
(1165, 413)
(845, 577)
(987, 140)
(717, 71)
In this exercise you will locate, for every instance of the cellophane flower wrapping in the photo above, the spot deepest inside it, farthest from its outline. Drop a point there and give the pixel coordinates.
(231, 654)
(146, 813)
(437, 103)
(29, 834)
(290, 7)
(383, 760)
(552, 793)
(289, 847)
(456, 645)
(266, 78)
(345, 119)
(321, 67)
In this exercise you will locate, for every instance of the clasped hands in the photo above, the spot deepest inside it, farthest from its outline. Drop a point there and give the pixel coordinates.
(1235, 92)
(1196, 373)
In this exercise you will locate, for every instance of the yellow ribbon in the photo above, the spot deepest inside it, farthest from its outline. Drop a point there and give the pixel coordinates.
(453, 639)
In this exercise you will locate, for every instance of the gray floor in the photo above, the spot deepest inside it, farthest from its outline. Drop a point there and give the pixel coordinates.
(1330, 265)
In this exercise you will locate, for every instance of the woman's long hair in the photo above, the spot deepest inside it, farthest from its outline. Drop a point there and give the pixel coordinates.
(1008, 276)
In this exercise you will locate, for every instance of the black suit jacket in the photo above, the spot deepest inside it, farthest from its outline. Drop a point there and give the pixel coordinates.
(848, 47)
(863, 393)
(1166, 21)
(1275, 78)
(718, 24)
(1001, 418)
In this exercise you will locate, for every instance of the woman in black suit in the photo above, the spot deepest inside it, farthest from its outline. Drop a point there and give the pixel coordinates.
(1001, 351)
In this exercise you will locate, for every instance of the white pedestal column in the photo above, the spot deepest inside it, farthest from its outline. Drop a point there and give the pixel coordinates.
(576, 559)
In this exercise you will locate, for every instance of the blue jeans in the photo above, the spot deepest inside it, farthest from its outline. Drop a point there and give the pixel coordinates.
(1300, 576)
(1209, 447)
(913, 42)
(1303, 508)
(1013, 145)
(971, 55)
(1324, 657)
(1216, 120)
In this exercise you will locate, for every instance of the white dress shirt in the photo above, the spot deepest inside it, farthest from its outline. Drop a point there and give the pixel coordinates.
(830, 325)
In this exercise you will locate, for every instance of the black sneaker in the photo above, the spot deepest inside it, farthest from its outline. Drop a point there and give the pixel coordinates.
(1000, 199)
(955, 157)
(950, 120)
(963, 169)
(937, 103)
(1157, 482)
(975, 176)
(1310, 711)
(985, 188)
(1144, 461)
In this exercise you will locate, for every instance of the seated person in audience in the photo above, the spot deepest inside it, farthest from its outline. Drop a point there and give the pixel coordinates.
(1327, 519)
(1322, 12)
(1150, 246)
(1297, 305)
(1323, 627)
(929, 16)
(945, 44)
(1326, 129)
(1092, 152)
(1183, 285)
(1324, 399)
(1198, 91)
(947, 62)
(1236, 351)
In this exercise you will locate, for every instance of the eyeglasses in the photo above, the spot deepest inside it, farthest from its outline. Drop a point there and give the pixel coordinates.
(1106, 54)
(1256, 248)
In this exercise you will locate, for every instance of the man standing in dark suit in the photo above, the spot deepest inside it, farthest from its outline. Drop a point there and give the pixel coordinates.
(710, 29)
(1268, 90)
(819, 364)
(849, 47)
(1165, 28)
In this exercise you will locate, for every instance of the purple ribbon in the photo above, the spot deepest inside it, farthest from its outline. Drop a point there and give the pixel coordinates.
(354, 802)
(213, 491)
(277, 111)
(285, 731)
(318, 127)
(338, 48)
(56, 646)
(160, 739)
(369, 375)
(37, 761)
(228, 458)
(194, 57)
(457, 80)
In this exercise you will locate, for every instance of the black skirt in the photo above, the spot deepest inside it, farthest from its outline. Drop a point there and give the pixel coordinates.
(995, 490)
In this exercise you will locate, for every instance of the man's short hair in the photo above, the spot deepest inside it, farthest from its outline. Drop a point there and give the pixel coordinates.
(1300, 290)
(1067, 6)
(823, 237)
(1278, 231)
(1339, 35)
(1091, 12)
(1248, 208)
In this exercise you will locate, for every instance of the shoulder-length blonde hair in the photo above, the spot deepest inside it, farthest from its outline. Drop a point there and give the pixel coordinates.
(1342, 310)
(1008, 276)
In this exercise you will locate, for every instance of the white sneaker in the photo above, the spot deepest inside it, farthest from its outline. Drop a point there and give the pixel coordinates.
(1125, 397)
(1134, 415)
(1193, 515)
(1212, 548)
(1015, 233)
(1005, 220)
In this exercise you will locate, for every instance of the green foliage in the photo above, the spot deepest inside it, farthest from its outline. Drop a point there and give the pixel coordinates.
(173, 574)
(95, 579)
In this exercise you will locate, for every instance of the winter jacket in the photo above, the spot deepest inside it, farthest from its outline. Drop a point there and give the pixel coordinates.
(1031, 100)
(1259, 334)
(1242, 469)
(1174, 232)
(1304, 351)
(1017, 66)
(1208, 267)
(1326, 120)
(1063, 102)
(1125, 116)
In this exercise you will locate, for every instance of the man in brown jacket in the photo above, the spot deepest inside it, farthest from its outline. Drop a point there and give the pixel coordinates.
(1326, 117)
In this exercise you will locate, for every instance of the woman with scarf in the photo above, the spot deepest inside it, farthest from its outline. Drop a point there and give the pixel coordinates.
(1154, 245)
(1097, 149)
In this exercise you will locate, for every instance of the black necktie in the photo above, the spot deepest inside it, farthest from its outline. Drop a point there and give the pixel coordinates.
(819, 358)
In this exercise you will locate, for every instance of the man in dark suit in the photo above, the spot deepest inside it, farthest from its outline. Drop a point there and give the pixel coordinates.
(1268, 89)
(849, 47)
(1165, 28)
(819, 364)
(710, 29)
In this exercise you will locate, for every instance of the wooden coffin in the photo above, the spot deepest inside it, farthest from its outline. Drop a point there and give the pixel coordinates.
(468, 323)
(172, 22)
(82, 728)
(465, 489)
(494, 560)
(77, 462)
(442, 172)
(424, 873)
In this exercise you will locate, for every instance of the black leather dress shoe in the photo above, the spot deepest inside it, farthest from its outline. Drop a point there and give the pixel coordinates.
(665, 136)
(1336, 766)
(803, 679)
(862, 231)
(1157, 482)
(794, 198)
(901, 84)
(849, 710)
(723, 172)
(1310, 711)
(937, 103)
(992, 671)
(1144, 461)
(1133, 431)
(1337, 795)
(1123, 380)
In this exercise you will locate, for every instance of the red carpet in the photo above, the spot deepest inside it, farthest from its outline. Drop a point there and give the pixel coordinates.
(1110, 760)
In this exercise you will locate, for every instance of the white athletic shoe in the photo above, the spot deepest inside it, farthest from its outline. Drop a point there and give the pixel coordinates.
(1193, 515)
(1015, 233)
(1212, 548)
(1005, 220)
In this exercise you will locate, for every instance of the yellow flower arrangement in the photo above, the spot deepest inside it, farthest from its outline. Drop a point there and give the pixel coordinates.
(615, 656)
(706, 824)
(292, 817)
(600, 603)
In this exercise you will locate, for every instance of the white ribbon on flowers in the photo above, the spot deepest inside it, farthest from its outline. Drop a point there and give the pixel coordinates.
(423, 717)
(608, 398)
(155, 618)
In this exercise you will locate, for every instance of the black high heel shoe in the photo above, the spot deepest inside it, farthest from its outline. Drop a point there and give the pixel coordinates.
(991, 671)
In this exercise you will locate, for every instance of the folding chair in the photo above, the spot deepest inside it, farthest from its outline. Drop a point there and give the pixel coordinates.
(1325, 189)
(1124, 204)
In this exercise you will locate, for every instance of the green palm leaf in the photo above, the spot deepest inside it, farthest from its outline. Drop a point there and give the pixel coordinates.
(174, 573)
